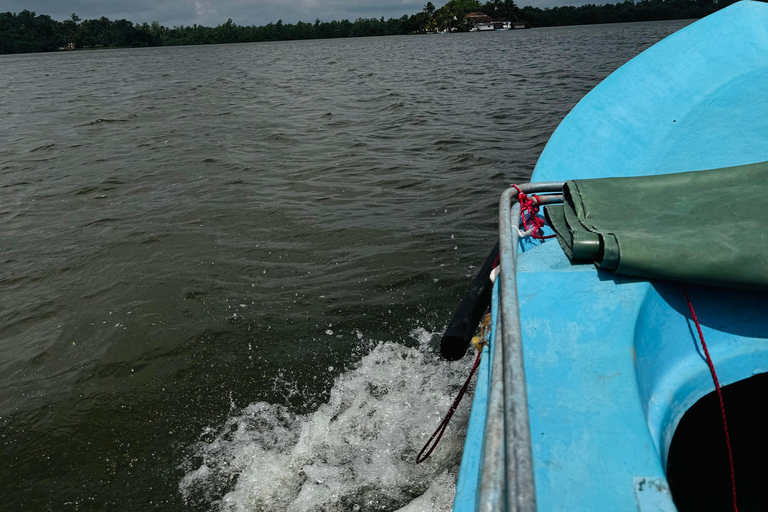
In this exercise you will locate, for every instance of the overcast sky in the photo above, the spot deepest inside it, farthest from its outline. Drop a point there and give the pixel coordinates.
(210, 13)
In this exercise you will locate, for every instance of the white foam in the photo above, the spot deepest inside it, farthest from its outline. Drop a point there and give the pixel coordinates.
(356, 452)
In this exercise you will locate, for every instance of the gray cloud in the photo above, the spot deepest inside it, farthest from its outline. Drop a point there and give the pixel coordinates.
(243, 12)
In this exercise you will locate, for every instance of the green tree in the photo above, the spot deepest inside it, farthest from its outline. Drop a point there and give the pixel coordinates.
(451, 16)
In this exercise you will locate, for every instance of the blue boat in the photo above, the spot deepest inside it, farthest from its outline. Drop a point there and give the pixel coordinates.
(585, 393)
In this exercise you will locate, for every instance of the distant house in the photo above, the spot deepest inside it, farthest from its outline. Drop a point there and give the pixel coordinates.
(478, 17)
(481, 22)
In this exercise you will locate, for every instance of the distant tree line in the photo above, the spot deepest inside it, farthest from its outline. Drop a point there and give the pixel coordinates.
(644, 10)
(29, 32)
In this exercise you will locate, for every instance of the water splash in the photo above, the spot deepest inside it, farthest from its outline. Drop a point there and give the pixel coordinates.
(355, 452)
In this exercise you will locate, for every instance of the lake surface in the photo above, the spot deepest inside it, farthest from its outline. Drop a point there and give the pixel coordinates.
(225, 269)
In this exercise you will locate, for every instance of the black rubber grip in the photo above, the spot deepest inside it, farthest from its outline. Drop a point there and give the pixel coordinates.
(462, 326)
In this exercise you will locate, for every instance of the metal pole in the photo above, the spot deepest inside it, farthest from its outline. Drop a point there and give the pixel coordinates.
(506, 472)
(491, 494)
(520, 490)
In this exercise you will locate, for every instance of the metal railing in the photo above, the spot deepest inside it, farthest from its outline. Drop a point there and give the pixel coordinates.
(506, 472)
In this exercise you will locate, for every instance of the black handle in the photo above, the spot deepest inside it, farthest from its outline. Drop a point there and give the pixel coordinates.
(462, 326)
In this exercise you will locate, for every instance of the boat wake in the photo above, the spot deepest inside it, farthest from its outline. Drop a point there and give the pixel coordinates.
(356, 452)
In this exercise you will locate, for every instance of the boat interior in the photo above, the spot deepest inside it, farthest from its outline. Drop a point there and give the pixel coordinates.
(697, 466)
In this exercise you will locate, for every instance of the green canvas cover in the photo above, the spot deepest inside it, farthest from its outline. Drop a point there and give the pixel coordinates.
(708, 227)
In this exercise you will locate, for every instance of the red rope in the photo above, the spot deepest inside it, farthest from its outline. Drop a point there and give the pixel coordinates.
(529, 211)
(719, 396)
(421, 457)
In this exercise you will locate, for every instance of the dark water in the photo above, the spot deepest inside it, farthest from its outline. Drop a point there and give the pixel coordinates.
(224, 269)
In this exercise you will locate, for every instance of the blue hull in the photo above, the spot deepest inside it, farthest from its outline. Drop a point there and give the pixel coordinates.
(610, 363)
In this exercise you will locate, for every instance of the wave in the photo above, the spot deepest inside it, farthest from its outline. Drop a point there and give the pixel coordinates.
(355, 452)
